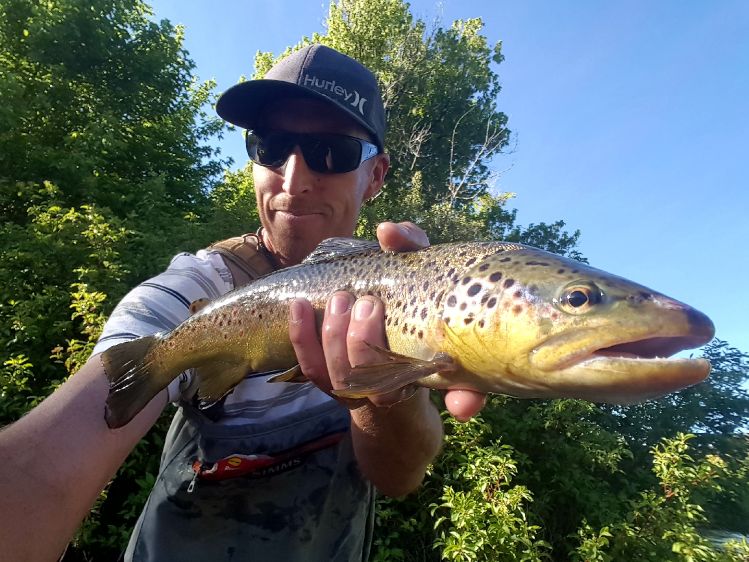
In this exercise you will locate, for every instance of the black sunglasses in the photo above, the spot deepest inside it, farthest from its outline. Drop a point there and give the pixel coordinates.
(325, 153)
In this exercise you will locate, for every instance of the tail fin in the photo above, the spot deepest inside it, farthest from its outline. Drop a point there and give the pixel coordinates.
(131, 378)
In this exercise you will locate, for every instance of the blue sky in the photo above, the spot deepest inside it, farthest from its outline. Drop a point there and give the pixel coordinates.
(631, 122)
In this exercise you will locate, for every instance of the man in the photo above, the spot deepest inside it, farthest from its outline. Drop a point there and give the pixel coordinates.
(316, 130)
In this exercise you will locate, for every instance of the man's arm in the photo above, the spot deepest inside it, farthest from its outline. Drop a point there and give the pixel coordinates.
(393, 441)
(56, 460)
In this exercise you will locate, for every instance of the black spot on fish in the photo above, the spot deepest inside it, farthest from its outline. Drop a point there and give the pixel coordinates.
(505, 260)
(425, 286)
(474, 289)
(470, 262)
(413, 330)
(447, 320)
(466, 280)
(451, 300)
(517, 309)
(260, 316)
(492, 302)
(421, 334)
(463, 306)
(484, 266)
(517, 294)
(467, 320)
(541, 263)
(481, 323)
(484, 299)
(575, 271)
(496, 276)
(646, 296)
(405, 328)
(424, 313)
(508, 283)
(450, 271)
(560, 271)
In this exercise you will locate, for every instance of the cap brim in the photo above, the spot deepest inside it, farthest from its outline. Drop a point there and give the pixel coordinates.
(243, 104)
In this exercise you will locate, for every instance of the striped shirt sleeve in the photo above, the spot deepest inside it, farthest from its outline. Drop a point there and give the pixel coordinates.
(162, 302)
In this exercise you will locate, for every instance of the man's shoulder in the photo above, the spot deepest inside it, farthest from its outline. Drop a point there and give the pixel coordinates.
(245, 256)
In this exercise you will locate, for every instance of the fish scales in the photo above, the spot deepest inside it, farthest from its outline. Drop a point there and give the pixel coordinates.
(510, 318)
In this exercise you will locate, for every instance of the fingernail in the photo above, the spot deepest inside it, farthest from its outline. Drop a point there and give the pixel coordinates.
(363, 309)
(340, 304)
(295, 312)
(404, 230)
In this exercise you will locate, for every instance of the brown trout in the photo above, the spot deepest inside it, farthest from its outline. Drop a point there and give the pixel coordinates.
(489, 316)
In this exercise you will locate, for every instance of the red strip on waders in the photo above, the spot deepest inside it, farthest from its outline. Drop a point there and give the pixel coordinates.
(236, 465)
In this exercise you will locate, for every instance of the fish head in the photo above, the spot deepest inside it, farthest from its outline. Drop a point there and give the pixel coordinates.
(529, 323)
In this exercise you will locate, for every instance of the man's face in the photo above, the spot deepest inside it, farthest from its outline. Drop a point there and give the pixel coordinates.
(300, 207)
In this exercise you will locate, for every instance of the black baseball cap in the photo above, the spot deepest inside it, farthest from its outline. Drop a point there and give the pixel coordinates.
(318, 72)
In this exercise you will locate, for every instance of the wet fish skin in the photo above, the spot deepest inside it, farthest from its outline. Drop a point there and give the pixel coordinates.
(510, 318)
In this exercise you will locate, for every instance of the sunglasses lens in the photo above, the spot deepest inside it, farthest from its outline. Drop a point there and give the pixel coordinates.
(270, 149)
(329, 154)
(325, 154)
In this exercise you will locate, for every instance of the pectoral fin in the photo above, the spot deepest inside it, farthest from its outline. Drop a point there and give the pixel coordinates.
(294, 374)
(395, 372)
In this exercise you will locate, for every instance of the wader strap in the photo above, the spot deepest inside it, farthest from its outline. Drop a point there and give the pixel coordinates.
(246, 258)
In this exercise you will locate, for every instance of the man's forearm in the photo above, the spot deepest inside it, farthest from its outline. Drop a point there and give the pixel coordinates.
(56, 461)
(394, 445)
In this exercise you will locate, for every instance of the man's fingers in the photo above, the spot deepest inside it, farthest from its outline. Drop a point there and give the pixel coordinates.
(334, 329)
(367, 327)
(303, 336)
(401, 237)
(464, 404)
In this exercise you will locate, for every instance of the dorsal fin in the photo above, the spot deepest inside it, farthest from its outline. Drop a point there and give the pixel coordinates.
(339, 247)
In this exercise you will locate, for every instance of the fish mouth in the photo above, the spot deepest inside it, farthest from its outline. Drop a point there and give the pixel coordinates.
(650, 348)
(629, 370)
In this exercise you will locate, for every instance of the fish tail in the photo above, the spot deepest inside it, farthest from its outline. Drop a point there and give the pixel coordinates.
(133, 381)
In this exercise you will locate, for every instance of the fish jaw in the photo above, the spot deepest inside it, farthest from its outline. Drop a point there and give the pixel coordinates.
(627, 380)
(630, 363)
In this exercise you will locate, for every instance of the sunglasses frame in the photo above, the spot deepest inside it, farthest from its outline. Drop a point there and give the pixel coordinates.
(367, 149)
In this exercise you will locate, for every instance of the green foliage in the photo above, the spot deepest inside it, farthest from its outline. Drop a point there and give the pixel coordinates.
(106, 171)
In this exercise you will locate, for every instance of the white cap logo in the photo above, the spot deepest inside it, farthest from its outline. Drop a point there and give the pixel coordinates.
(330, 85)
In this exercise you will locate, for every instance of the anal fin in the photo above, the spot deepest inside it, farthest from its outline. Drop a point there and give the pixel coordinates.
(218, 378)
(394, 373)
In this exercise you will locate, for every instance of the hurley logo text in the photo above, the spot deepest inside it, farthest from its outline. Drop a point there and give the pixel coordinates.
(351, 97)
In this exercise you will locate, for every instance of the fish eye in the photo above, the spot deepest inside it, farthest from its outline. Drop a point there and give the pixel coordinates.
(578, 298)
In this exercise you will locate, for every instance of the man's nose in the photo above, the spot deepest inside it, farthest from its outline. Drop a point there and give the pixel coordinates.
(297, 177)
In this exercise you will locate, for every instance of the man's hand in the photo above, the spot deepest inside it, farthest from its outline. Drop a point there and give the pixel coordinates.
(396, 435)
(348, 324)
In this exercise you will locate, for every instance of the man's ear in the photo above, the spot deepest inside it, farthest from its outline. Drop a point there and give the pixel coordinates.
(380, 167)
